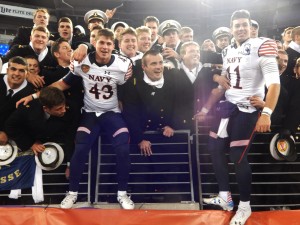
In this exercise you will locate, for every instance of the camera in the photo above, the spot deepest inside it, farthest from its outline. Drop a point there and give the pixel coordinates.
(157, 47)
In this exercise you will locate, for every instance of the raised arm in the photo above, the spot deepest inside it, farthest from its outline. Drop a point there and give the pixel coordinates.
(60, 84)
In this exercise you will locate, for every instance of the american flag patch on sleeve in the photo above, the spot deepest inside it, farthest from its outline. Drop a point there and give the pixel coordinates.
(268, 48)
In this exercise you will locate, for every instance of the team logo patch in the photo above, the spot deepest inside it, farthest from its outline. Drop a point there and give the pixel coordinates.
(246, 50)
(85, 68)
(283, 146)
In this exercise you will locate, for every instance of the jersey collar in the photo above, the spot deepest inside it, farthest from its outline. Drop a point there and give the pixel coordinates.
(92, 58)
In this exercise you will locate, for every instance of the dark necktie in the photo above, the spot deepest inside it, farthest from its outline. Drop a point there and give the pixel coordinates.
(10, 93)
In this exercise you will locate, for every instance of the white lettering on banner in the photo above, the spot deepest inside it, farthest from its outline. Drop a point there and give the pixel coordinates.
(9, 10)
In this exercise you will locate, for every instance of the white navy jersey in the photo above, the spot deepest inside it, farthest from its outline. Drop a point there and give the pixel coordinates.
(250, 67)
(100, 82)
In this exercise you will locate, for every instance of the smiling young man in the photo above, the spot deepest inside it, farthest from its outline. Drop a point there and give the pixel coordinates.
(195, 81)
(33, 65)
(128, 44)
(33, 75)
(13, 86)
(101, 72)
(143, 38)
(149, 103)
(37, 46)
(61, 51)
(250, 65)
(40, 18)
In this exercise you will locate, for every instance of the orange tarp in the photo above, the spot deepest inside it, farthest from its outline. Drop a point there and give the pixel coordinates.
(56, 216)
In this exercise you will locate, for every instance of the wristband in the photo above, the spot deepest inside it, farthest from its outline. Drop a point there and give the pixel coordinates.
(267, 111)
(204, 110)
(34, 96)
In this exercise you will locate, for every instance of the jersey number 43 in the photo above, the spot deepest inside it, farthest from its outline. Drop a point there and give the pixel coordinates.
(106, 90)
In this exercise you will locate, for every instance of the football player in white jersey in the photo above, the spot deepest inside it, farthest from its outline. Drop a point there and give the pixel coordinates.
(101, 72)
(249, 65)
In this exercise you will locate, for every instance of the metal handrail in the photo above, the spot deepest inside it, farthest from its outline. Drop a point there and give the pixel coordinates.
(189, 163)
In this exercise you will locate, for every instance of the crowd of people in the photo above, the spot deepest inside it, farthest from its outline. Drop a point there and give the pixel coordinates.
(71, 86)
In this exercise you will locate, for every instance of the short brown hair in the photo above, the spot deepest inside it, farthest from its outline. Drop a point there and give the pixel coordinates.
(207, 41)
(51, 97)
(66, 20)
(150, 52)
(240, 14)
(18, 60)
(106, 33)
(42, 29)
(186, 44)
(56, 44)
(151, 19)
(281, 51)
(142, 29)
(185, 30)
(129, 30)
(44, 10)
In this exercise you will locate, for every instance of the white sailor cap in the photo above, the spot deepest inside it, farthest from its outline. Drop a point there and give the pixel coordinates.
(95, 14)
(117, 24)
(79, 27)
(282, 147)
(286, 29)
(8, 152)
(169, 25)
(51, 158)
(221, 31)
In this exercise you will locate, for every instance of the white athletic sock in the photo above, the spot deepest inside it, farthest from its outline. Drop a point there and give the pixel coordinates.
(73, 192)
(224, 195)
(244, 204)
(122, 193)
